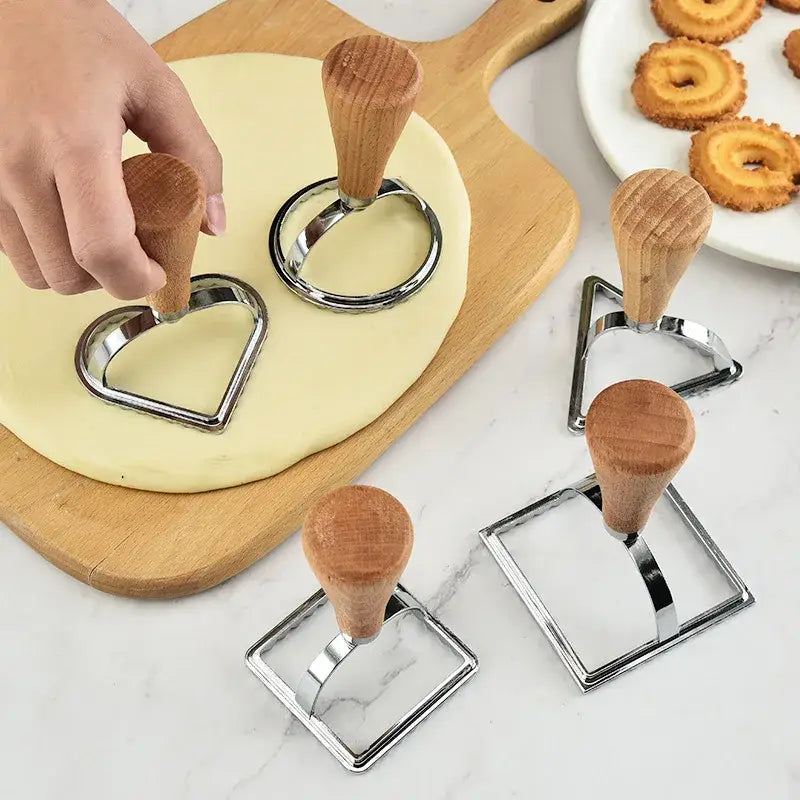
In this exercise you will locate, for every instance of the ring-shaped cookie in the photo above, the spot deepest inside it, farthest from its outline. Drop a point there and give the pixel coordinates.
(686, 84)
(714, 21)
(792, 6)
(791, 49)
(746, 164)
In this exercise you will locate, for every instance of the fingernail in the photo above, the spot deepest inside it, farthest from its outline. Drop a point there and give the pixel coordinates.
(216, 216)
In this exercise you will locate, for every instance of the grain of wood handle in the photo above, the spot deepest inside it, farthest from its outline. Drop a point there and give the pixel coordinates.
(659, 218)
(371, 84)
(358, 541)
(168, 200)
(639, 434)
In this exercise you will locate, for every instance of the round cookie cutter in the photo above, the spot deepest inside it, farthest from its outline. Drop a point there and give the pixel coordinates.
(289, 266)
(370, 84)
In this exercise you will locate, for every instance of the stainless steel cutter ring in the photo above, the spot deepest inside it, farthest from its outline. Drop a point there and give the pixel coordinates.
(109, 334)
(290, 266)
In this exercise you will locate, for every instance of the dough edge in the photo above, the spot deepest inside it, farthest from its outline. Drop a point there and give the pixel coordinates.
(248, 467)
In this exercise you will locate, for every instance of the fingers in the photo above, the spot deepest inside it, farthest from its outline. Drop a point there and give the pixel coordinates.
(74, 231)
(100, 223)
(48, 257)
(15, 245)
(165, 118)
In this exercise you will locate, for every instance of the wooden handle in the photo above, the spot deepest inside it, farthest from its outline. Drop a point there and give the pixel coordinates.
(358, 541)
(659, 218)
(168, 200)
(370, 84)
(639, 433)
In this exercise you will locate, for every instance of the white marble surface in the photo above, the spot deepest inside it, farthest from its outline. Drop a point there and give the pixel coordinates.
(103, 697)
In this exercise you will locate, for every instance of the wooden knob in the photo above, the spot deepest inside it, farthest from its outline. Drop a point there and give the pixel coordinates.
(370, 84)
(659, 218)
(358, 541)
(168, 200)
(639, 435)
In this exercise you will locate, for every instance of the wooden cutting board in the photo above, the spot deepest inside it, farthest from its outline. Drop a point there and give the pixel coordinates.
(525, 220)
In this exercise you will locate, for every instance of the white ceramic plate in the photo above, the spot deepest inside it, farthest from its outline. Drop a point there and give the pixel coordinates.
(615, 34)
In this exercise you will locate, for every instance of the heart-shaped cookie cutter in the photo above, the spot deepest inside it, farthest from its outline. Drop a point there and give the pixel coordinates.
(168, 198)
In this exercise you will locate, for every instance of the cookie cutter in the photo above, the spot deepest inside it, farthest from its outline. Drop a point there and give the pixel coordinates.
(112, 332)
(168, 200)
(301, 700)
(669, 631)
(638, 453)
(725, 370)
(659, 219)
(370, 84)
(289, 266)
(357, 540)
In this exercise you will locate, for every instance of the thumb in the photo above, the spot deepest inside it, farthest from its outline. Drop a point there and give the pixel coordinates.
(167, 120)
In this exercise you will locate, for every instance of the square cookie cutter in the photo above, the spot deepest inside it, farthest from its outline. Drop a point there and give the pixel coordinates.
(358, 540)
(301, 701)
(639, 435)
(669, 631)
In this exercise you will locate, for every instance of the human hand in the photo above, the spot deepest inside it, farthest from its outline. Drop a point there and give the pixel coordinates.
(74, 76)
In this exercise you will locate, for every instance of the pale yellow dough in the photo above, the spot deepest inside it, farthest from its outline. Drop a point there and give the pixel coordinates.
(321, 376)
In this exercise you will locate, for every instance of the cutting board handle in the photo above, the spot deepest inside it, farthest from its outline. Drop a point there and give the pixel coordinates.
(371, 84)
(510, 30)
(659, 218)
(358, 541)
(168, 200)
(639, 435)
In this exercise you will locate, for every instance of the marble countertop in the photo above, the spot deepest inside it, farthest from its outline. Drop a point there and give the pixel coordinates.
(104, 697)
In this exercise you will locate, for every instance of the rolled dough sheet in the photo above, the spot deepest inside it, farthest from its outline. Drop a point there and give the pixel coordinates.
(321, 376)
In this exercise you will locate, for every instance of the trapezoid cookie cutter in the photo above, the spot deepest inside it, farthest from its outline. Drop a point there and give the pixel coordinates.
(691, 334)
